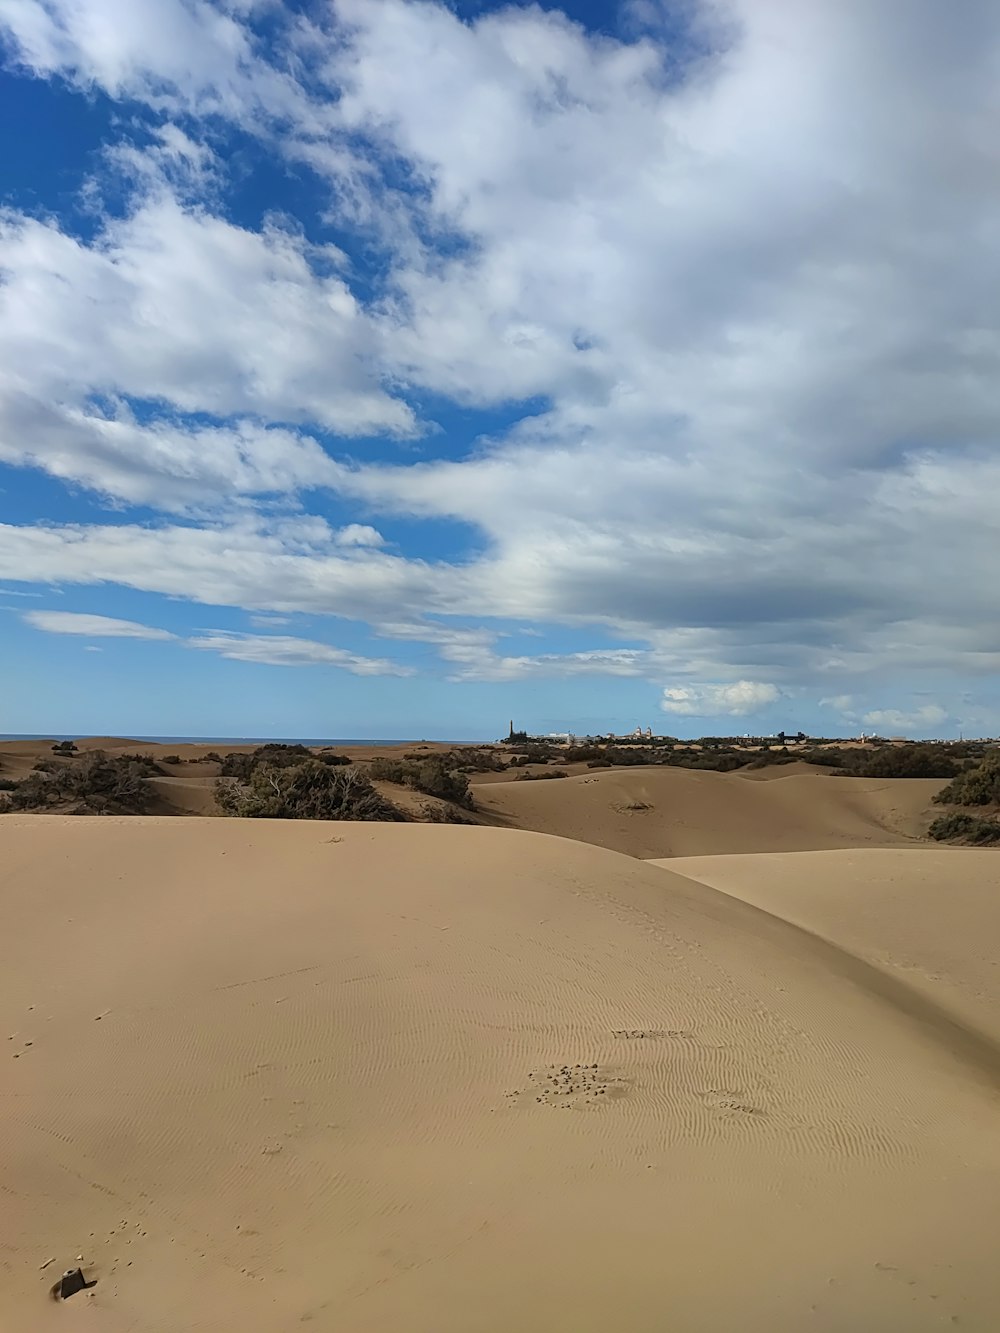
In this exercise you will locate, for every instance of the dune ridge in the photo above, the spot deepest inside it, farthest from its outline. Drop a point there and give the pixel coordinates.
(466, 1079)
(671, 812)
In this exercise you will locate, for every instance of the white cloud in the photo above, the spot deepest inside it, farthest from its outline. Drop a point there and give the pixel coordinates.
(283, 650)
(734, 700)
(72, 622)
(926, 720)
(269, 622)
(298, 567)
(172, 307)
(768, 373)
(843, 703)
(359, 534)
(177, 55)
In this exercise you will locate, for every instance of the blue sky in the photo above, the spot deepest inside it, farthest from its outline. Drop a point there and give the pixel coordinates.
(395, 368)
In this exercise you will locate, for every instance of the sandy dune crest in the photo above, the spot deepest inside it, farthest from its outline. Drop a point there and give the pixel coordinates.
(464, 1080)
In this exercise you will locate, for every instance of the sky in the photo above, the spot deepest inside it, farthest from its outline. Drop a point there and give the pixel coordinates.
(398, 368)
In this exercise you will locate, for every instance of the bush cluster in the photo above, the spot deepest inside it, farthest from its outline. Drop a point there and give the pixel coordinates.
(308, 789)
(538, 777)
(979, 785)
(902, 761)
(466, 759)
(969, 829)
(98, 784)
(432, 776)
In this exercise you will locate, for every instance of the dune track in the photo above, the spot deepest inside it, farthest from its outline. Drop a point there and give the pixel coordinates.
(263, 1075)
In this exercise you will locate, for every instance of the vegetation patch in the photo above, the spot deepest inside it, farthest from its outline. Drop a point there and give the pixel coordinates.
(978, 785)
(97, 784)
(432, 776)
(308, 789)
(971, 830)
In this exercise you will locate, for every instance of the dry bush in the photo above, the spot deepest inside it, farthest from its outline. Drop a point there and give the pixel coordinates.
(305, 790)
(537, 777)
(442, 814)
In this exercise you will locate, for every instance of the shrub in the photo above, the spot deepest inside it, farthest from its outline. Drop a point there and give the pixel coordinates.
(170, 759)
(442, 814)
(144, 761)
(306, 790)
(825, 758)
(431, 776)
(965, 828)
(599, 763)
(334, 760)
(64, 747)
(902, 761)
(7, 784)
(976, 786)
(772, 758)
(534, 751)
(96, 785)
(469, 759)
(537, 777)
(238, 764)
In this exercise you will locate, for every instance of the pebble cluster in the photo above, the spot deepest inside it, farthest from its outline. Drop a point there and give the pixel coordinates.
(564, 1085)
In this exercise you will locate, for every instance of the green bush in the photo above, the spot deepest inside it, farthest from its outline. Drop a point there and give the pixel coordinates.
(901, 761)
(468, 759)
(238, 764)
(97, 784)
(976, 786)
(537, 777)
(969, 829)
(832, 758)
(305, 790)
(432, 776)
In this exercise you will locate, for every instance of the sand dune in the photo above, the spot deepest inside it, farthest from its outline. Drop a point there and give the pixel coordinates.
(930, 917)
(463, 1080)
(661, 812)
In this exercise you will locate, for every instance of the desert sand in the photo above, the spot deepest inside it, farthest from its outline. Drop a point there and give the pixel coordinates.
(668, 812)
(470, 1080)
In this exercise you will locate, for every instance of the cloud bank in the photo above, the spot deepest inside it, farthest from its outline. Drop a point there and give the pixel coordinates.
(730, 311)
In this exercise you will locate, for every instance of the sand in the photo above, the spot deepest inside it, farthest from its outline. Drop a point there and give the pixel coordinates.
(264, 1076)
(929, 917)
(667, 812)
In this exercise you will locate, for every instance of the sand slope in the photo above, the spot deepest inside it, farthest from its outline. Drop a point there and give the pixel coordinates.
(343, 1077)
(929, 916)
(659, 812)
